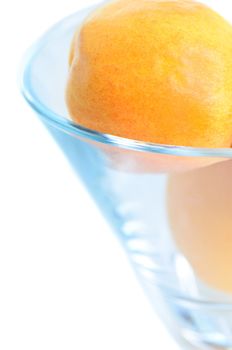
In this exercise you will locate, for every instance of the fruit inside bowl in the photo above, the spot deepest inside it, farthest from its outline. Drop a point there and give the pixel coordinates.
(161, 72)
(148, 93)
(156, 71)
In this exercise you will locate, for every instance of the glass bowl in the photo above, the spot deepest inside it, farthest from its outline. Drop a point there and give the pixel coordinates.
(168, 205)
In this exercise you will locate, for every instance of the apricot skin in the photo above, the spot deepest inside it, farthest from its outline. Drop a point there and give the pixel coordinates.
(157, 71)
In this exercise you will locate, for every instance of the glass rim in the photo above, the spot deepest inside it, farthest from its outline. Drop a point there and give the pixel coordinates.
(69, 126)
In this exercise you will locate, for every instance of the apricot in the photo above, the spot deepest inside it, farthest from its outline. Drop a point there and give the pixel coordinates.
(154, 70)
(200, 216)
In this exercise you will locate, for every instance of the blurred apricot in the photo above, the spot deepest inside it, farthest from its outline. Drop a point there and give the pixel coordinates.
(200, 215)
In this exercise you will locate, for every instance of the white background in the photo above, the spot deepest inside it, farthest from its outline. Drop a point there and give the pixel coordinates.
(65, 282)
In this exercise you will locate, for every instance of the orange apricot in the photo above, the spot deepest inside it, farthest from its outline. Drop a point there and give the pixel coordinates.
(154, 70)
